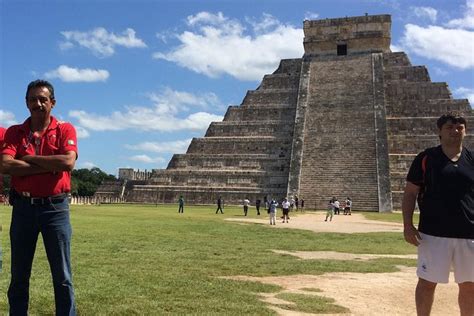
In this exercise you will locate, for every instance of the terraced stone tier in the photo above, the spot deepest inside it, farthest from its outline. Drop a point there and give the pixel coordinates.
(260, 162)
(404, 90)
(260, 113)
(263, 144)
(200, 194)
(277, 81)
(396, 59)
(423, 108)
(251, 128)
(271, 96)
(407, 73)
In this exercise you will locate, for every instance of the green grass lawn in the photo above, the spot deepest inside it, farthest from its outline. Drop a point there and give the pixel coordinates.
(150, 260)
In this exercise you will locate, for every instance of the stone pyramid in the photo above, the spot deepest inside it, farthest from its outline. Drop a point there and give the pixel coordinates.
(346, 119)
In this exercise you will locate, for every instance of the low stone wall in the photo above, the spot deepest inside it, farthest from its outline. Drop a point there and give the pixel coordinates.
(89, 200)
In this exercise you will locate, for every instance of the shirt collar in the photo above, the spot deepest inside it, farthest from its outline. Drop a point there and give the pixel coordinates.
(27, 123)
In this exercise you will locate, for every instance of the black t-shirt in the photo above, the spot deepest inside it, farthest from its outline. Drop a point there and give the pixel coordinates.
(446, 198)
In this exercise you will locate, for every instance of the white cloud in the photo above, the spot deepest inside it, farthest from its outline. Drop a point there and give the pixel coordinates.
(467, 21)
(147, 159)
(425, 12)
(171, 101)
(81, 132)
(88, 165)
(216, 45)
(440, 71)
(69, 74)
(465, 93)
(167, 114)
(7, 119)
(395, 48)
(454, 47)
(308, 15)
(101, 42)
(176, 147)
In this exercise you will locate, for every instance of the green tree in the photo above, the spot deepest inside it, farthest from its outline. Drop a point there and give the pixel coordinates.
(85, 182)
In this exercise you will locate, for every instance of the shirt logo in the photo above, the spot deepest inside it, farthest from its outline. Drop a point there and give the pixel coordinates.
(70, 142)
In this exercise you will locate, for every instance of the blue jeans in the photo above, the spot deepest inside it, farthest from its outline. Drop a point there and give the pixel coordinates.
(52, 220)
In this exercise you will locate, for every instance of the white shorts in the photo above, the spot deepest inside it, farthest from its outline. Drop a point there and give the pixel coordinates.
(436, 255)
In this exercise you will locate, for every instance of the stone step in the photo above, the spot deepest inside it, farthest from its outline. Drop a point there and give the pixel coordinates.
(264, 144)
(242, 162)
(289, 81)
(404, 90)
(413, 144)
(250, 128)
(407, 73)
(260, 113)
(425, 108)
(283, 97)
(201, 194)
(395, 59)
(289, 66)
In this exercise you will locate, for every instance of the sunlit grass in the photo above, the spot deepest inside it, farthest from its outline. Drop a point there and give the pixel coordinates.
(150, 260)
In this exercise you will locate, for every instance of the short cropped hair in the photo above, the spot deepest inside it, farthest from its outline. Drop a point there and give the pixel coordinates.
(454, 117)
(41, 83)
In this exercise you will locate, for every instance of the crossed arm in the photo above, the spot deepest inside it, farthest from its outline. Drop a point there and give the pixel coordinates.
(30, 165)
(410, 232)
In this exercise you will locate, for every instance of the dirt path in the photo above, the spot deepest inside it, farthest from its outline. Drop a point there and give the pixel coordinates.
(363, 294)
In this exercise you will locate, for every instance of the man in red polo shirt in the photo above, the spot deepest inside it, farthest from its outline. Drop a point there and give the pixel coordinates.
(39, 155)
(2, 135)
(2, 197)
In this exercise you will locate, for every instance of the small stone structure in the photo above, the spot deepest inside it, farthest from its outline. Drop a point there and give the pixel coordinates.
(346, 119)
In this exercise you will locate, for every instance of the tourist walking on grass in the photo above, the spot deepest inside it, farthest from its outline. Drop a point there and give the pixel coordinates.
(441, 179)
(220, 205)
(257, 206)
(348, 206)
(302, 205)
(246, 206)
(337, 206)
(330, 210)
(296, 203)
(286, 209)
(272, 211)
(40, 154)
(292, 203)
(181, 204)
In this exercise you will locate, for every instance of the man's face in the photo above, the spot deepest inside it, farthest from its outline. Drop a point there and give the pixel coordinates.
(39, 102)
(452, 133)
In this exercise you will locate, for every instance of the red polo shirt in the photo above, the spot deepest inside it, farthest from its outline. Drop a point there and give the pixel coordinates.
(58, 139)
(2, 135)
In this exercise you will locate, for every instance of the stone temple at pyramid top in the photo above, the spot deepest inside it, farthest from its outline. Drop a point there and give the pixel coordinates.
(347, 36)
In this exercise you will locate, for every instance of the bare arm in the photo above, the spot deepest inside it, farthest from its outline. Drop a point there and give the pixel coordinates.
(17, 167)
(53, 163)
(410, 232)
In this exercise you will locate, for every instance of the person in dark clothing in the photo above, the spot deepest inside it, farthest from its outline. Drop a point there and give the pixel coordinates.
(220, 204)
(181, 204)
(441, 180)
(257, 206)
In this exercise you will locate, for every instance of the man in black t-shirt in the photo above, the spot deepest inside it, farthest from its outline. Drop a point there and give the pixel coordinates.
(441, 179)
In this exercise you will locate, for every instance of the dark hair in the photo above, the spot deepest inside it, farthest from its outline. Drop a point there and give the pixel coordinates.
(454, 117)
(41, 83)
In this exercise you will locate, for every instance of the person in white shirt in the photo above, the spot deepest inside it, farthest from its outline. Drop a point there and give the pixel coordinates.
(246, 206)
(286, 209)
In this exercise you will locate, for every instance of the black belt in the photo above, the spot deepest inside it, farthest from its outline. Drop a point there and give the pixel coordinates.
(44, 200)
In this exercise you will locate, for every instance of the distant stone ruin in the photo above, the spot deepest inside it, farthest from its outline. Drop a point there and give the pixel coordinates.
(346, 119)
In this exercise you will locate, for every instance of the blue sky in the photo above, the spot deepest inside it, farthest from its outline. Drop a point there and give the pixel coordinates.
(139, 79)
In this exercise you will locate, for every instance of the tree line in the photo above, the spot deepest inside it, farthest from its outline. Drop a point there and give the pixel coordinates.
(84, 182)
